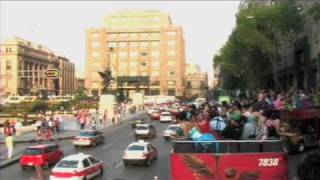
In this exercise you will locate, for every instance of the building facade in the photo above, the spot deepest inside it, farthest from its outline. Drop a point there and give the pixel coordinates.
(23, 65)
(196, 82)
(144, 50)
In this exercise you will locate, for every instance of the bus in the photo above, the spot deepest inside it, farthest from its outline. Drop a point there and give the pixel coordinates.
(229, 159)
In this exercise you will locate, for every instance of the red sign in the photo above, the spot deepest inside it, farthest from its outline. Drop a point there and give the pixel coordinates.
(209, 166)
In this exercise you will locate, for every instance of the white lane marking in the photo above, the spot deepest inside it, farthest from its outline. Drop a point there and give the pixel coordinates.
(106, 146)
(119, 165)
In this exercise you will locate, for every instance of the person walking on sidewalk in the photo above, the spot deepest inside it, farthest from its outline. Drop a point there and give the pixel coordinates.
(8, 130)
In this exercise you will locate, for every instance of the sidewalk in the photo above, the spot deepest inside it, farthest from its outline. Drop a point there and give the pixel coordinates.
(26, 139)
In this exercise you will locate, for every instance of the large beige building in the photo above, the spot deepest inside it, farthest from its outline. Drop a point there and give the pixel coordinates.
(196, 82)
(144, 50)
(23, 65)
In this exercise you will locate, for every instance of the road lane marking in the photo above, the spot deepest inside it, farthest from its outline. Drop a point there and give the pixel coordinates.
(119, 165)
(106, 146)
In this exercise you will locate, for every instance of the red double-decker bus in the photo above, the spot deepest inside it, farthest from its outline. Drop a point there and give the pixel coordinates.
(226, 160)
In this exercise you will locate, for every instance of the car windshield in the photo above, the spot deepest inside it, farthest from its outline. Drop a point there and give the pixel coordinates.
(142, 128)
(136, 148)
(173, 128)
(32, 151)
(68, 164)
(86, 133)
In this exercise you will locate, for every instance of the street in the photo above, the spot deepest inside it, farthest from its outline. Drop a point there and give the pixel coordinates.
(117, 139)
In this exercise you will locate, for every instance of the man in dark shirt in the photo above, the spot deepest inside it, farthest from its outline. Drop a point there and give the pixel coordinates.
(233, 130)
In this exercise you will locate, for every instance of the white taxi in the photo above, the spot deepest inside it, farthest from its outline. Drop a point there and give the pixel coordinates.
(166, 117)
(77, 167)
(140, 152)
(170, 131)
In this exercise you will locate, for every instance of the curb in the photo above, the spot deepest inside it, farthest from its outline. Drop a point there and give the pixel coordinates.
(35, 140)
(12, 161)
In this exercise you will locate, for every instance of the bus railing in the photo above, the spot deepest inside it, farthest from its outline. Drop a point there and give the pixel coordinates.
(227, 146)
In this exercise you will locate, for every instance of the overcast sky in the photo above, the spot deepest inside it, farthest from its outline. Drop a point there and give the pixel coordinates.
(61, 25)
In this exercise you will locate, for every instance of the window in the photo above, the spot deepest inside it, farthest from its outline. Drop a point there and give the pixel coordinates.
(155, 83)
(155, 35)
(171, 43)
(144, 34)
(112, 44)
(171, 92)
(171, 73)
(133, 34)
(171, 63)
(8, 49)
(155, 63)
(123, 54)
(123, 35)
(93, 160)
(155, 44)
(144, 64)
(85, 163)
(171, 53)
(171, 33)
(68, 164)
(144, 54)
(8, 65)
(144, 44)
(133, 44)
(112, 35)
(95, 35)
(171, 82)
(95, 44)
(155, 53)
(155, 73)
(133, 73)
(136, 148)
(95, 54)
(133, 54)
(122, 44)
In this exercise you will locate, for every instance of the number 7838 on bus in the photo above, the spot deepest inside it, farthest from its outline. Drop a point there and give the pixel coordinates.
(268, 162)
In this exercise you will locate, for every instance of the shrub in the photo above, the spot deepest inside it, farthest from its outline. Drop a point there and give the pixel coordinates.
(39, 105)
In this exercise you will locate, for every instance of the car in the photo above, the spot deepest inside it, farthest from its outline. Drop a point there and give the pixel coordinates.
(145, 131)
(136, 121)
(77, 167)
(155, 115)
(40, 155)
(170, 131)
(140, 152)
(88, 138)
(166, 117)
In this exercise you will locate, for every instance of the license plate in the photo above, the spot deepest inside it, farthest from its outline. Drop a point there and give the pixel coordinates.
(30, 164)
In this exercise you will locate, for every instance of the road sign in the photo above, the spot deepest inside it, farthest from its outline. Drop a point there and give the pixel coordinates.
(52, 73)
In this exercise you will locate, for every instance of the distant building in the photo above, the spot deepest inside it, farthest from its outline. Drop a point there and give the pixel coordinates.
(196, 82)
(79, 81)
(144, 50)
(23, 64)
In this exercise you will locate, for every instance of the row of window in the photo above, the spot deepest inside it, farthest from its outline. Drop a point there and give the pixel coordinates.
(134, 54)
(142, 34)
(142, 44)
(154, 73)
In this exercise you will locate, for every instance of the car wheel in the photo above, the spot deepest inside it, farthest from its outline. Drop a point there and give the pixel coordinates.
(125, 163)
(301, 146)
(101, 172)
(46, 165)
(148, 162)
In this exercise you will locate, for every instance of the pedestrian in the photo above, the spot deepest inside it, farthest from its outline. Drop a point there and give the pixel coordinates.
(113, 120)
(8, 131)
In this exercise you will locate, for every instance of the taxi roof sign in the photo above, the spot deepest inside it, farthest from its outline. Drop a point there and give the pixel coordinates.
(52, 73)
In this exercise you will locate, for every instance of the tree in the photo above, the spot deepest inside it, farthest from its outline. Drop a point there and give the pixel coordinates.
(106, 76)
(252, 49)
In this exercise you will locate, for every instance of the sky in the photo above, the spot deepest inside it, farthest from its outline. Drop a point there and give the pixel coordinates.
(61, 25)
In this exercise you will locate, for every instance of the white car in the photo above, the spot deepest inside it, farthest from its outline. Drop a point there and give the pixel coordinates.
(77, 167)
(145, 130)
(140, 152)
(170, 131)
(166, 117)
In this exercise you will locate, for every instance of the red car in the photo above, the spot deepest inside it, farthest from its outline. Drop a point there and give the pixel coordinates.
(155, 115)
(41, 155)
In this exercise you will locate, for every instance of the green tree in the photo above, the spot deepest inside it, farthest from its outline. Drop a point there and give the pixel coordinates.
(252, 49)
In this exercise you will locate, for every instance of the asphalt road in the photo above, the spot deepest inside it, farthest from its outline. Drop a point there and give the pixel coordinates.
(117, 139)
